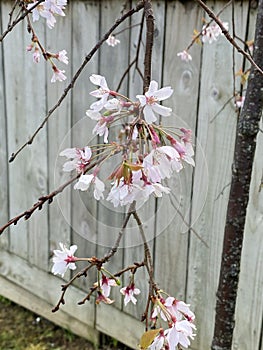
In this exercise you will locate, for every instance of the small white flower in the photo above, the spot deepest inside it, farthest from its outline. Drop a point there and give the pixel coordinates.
(58, 75)
(106, 284)
(150, 102)
(129, 293)
(179, 309)
(86, 180)
(64, 259)
(212, 32)
(102, 93)
(62, 56)
(80, 158)
(112, 41)
(185, 56)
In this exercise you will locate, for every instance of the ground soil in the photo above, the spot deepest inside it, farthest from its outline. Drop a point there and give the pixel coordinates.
(21, 329)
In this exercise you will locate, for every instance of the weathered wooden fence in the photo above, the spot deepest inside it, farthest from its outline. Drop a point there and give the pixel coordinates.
(184, 266)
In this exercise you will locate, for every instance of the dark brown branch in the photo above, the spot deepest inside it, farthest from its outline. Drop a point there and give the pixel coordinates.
(246, 135)
(212, 15)
(10, 27)
(77, 74)
(48, 198)
(149, 44)
(64, 287)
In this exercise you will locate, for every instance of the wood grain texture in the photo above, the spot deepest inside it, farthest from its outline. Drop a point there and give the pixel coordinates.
(59, 126)
(84, 207)
(30, 170)
(172, 240)
(4, 192)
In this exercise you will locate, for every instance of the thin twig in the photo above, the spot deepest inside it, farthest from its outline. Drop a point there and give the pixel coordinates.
(47, 198)
(11, 27)
(64, 287)
(77, 74)
(136, 56)
(228, 36)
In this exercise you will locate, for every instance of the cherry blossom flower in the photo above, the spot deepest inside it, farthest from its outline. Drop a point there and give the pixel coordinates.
(112, 41)
(86, 180)
(102, 93)
(129, 293)
(58, 75)
(62, 56)
(185, 56)
(47, 9)
(102, 298)
(212, 32)
(80, 158)
(150, 101)
(160, 163)
(106, 284)
(36, 55)
(179, 333)
(64, 259)
(179, 309)
(101, 128)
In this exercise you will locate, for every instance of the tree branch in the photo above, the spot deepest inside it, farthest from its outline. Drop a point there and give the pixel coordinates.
(75, 77)
(149, 43)
(228, 36)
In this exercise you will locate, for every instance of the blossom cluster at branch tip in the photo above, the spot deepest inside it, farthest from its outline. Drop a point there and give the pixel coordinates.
(150, 153)
(48, 10)
(180, 324)
(185, 56)
(112, 41)
(212, 32)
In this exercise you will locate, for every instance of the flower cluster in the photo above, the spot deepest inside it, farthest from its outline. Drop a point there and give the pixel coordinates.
(209, 33)
(64, 259)
(212, 32)
(150, 153)
(48, 10)
(180, 324)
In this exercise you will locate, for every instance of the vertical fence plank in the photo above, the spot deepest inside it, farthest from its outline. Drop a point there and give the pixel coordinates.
(28, 173)
(4, 207)
(59, 125)
(216, 140)
(172, 240)
(84, 206)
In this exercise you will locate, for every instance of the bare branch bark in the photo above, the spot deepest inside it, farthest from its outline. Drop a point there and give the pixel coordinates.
(247, 129)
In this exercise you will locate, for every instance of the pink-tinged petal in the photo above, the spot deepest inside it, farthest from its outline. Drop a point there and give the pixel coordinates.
(69, 153)
(136, 291)
(94, 115)
(69, 166)
(163, 111)
(153, 87)
(149, 115)
(99, 80)
(142, 99)
(170, 152)
(163, 93)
